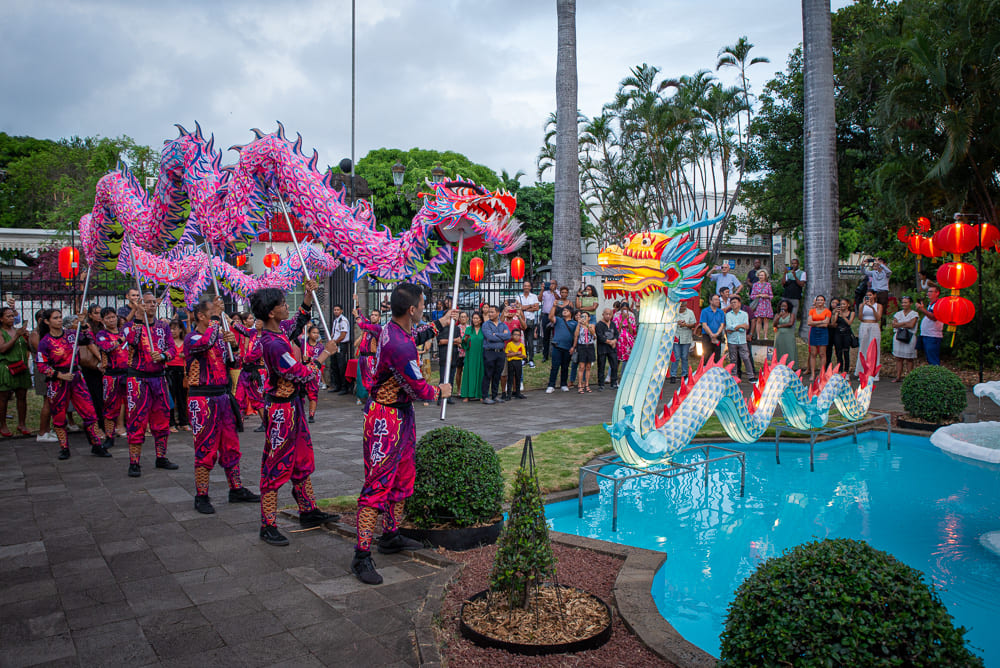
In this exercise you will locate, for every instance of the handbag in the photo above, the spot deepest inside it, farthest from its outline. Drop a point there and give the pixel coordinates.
(904, 335)
(855, 343)
(17, 367)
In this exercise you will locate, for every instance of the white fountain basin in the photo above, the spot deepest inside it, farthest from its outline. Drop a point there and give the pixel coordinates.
(990, 390)
(975, 440)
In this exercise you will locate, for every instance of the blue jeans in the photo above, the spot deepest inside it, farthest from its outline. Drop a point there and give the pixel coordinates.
(932, 349)
(680, 363)
(560, 365)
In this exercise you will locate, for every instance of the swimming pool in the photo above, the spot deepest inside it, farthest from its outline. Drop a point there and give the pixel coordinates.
(926, 508)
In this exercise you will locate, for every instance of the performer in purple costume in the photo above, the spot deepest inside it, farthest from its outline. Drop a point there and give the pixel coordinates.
(55, 350)
(147, 386)
(250, 384)
(310, 351)
(390, 431)
(288, 452)
(114, 358)
(210, 404)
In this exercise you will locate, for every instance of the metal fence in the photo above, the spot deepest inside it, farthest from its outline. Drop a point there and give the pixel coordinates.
(493, 290)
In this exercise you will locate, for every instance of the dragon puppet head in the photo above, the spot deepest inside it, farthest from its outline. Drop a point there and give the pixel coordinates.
(664, 260)
(486, 215)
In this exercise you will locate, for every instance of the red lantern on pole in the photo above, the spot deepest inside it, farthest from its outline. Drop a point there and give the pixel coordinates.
(476, 269)
(241, 260)
(928, 248)
(272, 260)
(957, 238)
(989, 236)
(954, 311)
(69, 262)
(913, 244)
(923, 224)
(517, 269)
(903, 233)
(956, 275)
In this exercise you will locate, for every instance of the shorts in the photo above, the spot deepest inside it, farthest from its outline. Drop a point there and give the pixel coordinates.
(585, 354)
(819, 336)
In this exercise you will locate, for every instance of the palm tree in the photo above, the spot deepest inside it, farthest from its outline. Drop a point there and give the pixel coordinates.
(566, 262)
(820, 220)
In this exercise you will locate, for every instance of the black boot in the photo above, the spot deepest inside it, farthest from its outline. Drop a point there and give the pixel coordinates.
(364, 568)
(203, 504)
(272, 536)
(99, 451)
(134, 471)
(242, 495)
(109, 442)
(393, 542)
(63, 453)
(316, 517)
(164, 463)
(312, 418)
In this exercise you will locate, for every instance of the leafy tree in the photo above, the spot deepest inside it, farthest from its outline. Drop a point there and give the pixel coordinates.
(536, 210)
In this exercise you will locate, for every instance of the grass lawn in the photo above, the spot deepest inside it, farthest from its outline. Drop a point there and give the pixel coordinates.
(34, 412)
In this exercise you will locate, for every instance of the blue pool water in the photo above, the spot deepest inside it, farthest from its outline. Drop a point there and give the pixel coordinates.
(920, 505)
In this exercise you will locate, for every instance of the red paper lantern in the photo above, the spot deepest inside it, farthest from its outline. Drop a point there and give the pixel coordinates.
(923, 224)
(956, 275)
(241, 260)
(957, 238)
(954, 311)
(928, 248)
(517, 269)
(913, 243)
(476, 269)
(989, 236)
(903, 233)
(272, 260)
(69, 262)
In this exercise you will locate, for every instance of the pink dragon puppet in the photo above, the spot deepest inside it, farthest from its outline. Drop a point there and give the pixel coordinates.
(154, 236)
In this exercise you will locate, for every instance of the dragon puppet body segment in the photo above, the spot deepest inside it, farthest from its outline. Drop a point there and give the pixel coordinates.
(229, 205)
(662, 268)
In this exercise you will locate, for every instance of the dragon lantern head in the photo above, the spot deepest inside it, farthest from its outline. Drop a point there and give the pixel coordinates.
(662, 260)
(487, 214)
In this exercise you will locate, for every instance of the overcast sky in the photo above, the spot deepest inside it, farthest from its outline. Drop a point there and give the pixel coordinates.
(473, 76)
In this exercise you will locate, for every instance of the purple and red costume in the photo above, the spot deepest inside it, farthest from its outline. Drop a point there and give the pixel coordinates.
(250, 384)
(146, 391)
(309, 354)
(114, 355)
(288, 451)
(390, 432)
(367, 350)
(209, 407)
(54, 355)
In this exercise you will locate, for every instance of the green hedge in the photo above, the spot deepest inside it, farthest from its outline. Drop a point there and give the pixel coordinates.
(840, 602)
(933, 393)
(458, 479)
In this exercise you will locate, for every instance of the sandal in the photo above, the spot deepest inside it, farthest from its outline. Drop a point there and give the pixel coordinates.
(580, 391)
(5, 432)
(24, 432)
(588, 390)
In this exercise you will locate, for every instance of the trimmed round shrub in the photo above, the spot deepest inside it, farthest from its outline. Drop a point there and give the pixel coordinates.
(459, 480)
(933, 393)
(840, 602)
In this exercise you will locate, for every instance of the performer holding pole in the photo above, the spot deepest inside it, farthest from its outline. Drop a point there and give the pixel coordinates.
(305, 269)
(79, 321)
(451, 325)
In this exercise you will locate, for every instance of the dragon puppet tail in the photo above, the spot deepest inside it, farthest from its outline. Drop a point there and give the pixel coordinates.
(869, 364)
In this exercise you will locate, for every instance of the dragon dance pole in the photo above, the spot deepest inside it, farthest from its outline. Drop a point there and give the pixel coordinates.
(215, 283)
(451, 323)
(305, 269)
(83, 302)
(138, 286)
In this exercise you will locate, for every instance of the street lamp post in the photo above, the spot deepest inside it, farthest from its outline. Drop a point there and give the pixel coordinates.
(437, 174)
(398, 170)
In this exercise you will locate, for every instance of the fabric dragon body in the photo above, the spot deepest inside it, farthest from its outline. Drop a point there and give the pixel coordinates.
(154, 236)
(663, 268)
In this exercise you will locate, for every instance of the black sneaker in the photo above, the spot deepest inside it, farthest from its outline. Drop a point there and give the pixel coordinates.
(99, 451)
(488, 402)
(164, 463)
(364, 568)
(134, 471)
(500, 400)
(391, 543)
(260, 428)
(63, 453)
(600, 388)
(109, 442)
(272, 536)
(242, 495)
(316, 517)
(520, 396)
(203, 504)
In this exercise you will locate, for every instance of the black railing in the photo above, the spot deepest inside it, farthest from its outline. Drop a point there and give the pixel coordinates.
(492, 290)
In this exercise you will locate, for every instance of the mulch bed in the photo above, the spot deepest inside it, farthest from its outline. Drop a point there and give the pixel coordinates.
(554, 616)
(586, 570)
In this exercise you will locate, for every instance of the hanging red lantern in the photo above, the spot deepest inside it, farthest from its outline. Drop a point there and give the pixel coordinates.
(272, 260)
(956, 275)
(517, 269)
(957, 238)
(903, 233)
(989, 236)
(241, 260)
(928, 248)
(923, 224)
(954, 311)
(69, 262)
(913, 244)
(476, 269)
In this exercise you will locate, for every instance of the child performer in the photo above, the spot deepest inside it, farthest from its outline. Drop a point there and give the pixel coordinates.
(310, 352)
(147, 383)
(515, 359)
(250, 384)
(55, 350)
(210, 406)
(288, 451)
(367, 347)
(390, 431)
(114, 357)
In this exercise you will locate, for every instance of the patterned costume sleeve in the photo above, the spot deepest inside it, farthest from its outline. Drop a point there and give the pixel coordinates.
(367, 326)
(405, 363)
(197, 342)
(240, 328)
(106, 342)
(293, 328)
(424, 333)
(164, 342)
(290, 368)
(132, 333)
(43, 357)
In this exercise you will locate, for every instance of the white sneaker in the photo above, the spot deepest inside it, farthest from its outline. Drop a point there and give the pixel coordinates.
(73, 427)
(565, 389)
(47, 437)
(548, 390)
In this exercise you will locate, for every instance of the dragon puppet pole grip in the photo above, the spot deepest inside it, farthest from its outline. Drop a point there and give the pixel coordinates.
(138, 286)
(215, 283)
(451, 323)
(305, 269)
(83, 302)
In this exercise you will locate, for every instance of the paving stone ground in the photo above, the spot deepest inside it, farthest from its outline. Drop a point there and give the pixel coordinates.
(97, 568)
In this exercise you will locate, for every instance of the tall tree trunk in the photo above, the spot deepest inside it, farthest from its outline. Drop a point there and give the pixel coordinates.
(820, 197)
(566, 263)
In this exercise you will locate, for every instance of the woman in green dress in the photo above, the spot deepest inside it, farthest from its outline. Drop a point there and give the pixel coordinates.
(16, 379)
(472, 343)
(784, 333)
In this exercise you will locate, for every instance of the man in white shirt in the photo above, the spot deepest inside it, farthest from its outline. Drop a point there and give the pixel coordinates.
(686, 324)
(931, 329)
(530, 306)
(878, 273)
(737, 325)
(549, 298)
(723, 279)
(340, 331)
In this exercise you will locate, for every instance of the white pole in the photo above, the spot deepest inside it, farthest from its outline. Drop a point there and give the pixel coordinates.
(138, 286)
(451, 323)
(305, 269)
(215, 283)
(83, 302)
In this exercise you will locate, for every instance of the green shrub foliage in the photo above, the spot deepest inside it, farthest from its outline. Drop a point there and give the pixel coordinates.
(933, 393)
(458, 480)
(524, 558)
(840, 602)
